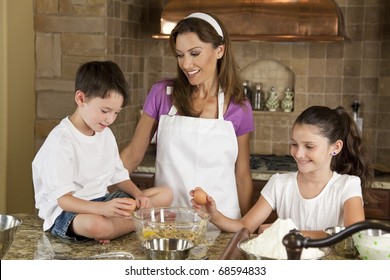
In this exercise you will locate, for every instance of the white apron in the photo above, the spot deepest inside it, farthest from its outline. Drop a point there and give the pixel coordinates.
(194, 152)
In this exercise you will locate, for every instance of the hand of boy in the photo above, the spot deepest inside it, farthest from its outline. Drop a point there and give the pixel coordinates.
(143, 201)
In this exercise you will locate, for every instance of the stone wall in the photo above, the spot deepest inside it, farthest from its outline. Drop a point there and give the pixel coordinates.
(71, 32)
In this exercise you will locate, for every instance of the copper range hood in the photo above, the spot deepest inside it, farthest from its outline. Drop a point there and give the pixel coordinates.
(264, 20)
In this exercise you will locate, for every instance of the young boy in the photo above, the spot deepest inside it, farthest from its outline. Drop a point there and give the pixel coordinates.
(80, 160)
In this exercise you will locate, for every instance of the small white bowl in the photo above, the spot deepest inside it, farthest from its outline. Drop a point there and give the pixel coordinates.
(373, 244)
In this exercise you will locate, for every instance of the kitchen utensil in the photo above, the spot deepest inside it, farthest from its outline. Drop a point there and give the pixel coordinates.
(373, 244)
(171, 223)
(8, 228)
(346, 247)
(167, 249)
(232, 252)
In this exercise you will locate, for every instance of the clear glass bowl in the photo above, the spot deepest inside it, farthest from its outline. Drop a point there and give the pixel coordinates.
(346, 247)
(171, 223)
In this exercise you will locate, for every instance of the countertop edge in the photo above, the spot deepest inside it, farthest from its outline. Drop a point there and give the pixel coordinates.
(379, 183)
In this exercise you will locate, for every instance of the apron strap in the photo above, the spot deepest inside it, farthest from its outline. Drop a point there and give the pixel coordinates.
(221, 101)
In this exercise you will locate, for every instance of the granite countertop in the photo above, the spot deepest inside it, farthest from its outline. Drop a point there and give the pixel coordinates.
(31, 242)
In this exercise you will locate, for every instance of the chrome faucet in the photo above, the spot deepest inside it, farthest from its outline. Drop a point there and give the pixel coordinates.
(294, 241)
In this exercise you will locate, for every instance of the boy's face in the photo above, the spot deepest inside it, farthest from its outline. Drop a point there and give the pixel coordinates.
(98, 113)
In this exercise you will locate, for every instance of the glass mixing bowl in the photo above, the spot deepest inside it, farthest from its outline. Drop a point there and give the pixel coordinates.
(171, 223)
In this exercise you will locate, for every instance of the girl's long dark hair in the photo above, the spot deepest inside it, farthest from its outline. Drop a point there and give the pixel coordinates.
(337, 124)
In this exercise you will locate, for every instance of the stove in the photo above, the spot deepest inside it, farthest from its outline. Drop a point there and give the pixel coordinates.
(272, 163)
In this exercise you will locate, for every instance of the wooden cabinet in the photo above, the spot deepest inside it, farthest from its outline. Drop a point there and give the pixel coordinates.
(143, 180)
(377, 204)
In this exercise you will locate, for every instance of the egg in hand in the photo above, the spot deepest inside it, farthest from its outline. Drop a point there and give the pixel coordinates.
(200, 196)
(133, 205)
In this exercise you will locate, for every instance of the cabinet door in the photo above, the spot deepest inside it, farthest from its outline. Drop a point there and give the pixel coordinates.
(143, 180)
(377, 204)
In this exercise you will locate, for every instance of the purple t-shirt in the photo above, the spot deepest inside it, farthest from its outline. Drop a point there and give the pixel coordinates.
(158, 103)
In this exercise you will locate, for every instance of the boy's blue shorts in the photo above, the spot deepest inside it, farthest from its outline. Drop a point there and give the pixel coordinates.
(63, 221)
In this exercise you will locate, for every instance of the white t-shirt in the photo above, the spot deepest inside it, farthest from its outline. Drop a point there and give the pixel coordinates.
(70, 161)
(318, 213)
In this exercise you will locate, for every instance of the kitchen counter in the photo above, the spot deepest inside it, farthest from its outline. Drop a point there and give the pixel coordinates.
(30, 243)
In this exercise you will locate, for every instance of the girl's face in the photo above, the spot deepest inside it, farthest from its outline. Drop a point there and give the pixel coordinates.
(198, 60)
(98, 113)
(311, 151)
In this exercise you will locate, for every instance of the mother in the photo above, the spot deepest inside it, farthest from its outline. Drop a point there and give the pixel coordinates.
(202, 118)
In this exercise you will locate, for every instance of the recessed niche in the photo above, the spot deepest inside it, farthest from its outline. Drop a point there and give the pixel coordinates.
(271, 73)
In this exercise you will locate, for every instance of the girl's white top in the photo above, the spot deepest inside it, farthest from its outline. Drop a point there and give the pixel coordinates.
(318, 213)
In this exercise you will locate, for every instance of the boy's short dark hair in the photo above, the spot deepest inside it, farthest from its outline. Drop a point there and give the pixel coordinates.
(99, 78)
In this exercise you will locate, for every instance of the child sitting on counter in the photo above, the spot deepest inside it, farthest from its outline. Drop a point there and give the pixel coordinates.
(80, 160)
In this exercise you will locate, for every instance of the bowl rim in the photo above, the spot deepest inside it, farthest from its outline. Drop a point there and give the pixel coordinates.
(189, 242)
(203, 216)
(17, 220)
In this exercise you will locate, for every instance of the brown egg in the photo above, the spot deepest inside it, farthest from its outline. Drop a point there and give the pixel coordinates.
(200, 196)
(133, 205)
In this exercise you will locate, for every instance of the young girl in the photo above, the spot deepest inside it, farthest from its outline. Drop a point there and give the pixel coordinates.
(327, 189)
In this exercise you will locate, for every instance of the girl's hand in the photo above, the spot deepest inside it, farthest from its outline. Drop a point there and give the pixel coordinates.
(143, 201)
(263, 227)
(209, 206)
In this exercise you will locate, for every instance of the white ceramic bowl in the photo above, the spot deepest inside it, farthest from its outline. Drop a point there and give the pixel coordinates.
(373, 244)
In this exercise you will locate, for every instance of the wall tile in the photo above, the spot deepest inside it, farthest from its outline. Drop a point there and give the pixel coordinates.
(69, 24)
(383, 121)
(48, 55)
(52, 105)
(46, 6)
(316, 85)
(334, 67)
(317, 67)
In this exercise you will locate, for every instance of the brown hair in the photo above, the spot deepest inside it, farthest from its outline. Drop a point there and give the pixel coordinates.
(337, 124)
(99, 78)
(228, 74)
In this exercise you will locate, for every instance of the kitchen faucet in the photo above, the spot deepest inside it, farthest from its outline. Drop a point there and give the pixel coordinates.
(295, 241)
